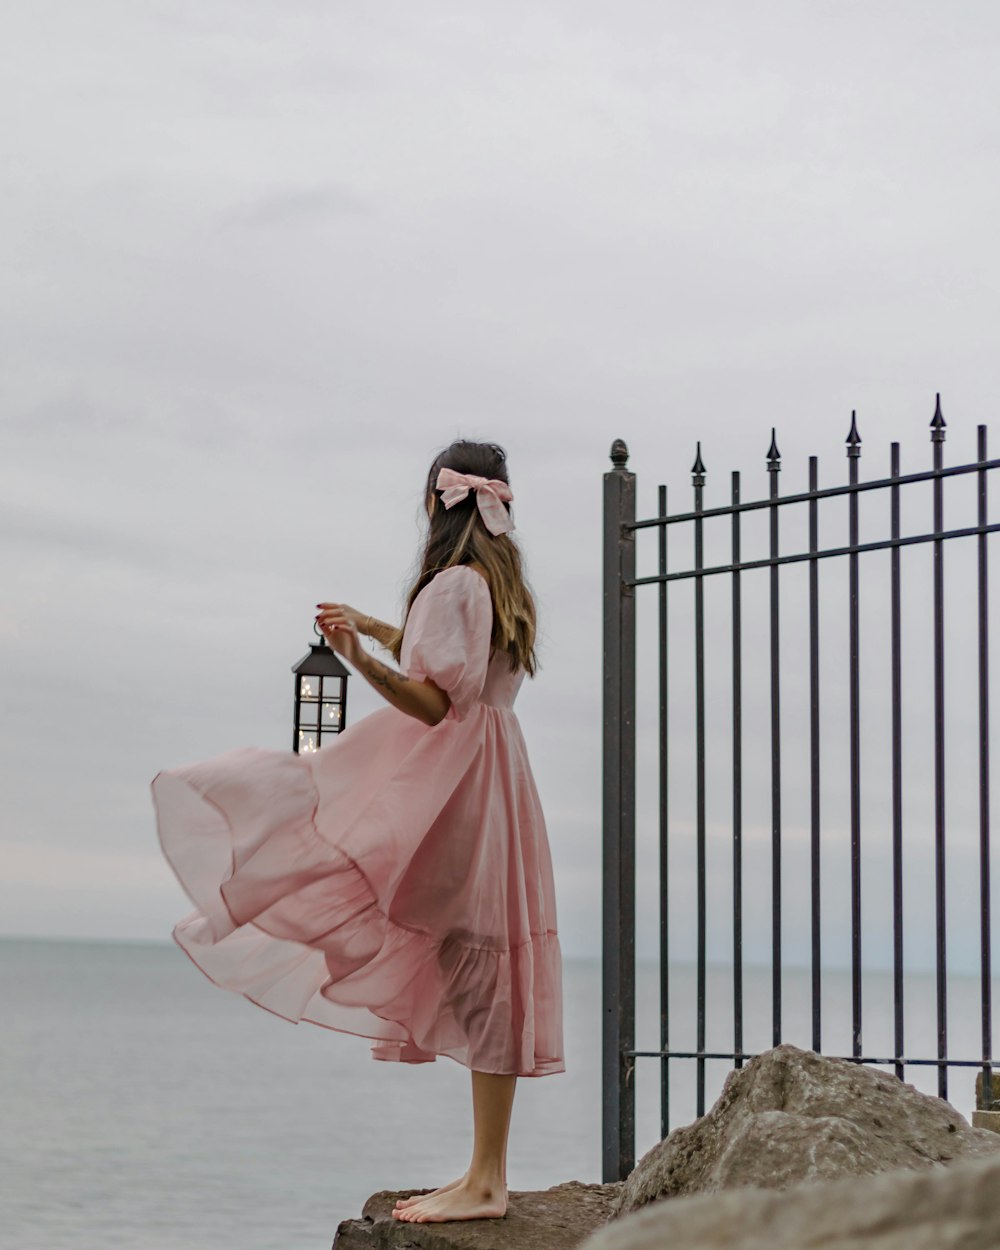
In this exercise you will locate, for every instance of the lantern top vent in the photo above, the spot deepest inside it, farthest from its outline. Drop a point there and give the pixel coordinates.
(321, 661)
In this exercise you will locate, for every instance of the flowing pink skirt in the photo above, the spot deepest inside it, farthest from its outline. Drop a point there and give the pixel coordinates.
(396, 884)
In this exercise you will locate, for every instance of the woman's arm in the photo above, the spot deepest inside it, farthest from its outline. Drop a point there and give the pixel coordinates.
(421, 699)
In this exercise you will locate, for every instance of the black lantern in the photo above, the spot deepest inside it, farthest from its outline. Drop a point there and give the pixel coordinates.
(320, 696)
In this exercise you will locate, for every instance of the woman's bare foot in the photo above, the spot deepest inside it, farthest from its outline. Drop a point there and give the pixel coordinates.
(403, 1203)
(465, 1200)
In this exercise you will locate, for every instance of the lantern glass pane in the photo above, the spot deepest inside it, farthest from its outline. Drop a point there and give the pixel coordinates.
(307, 742)
(307, 715)
(331, 715)
(310, 688)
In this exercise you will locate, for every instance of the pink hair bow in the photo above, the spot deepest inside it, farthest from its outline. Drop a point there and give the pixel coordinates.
(489, 492)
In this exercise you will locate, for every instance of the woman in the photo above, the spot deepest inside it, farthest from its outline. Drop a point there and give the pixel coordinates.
(398, 883)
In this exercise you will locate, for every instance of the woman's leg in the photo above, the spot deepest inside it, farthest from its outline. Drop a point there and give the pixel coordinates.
(482, 1191)
(492, 1101)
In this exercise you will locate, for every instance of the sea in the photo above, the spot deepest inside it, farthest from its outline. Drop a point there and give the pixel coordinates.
(141, 1106)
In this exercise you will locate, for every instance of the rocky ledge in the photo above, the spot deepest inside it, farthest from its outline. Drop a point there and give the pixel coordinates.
(799, 1151)
(560, 1218)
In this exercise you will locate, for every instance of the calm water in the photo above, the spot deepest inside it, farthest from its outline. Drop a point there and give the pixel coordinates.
(144, 1107)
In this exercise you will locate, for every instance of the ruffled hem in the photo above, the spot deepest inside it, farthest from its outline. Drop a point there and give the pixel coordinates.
(285, 917)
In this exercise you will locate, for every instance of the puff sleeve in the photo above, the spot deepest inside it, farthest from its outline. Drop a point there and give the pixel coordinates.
(447, 636)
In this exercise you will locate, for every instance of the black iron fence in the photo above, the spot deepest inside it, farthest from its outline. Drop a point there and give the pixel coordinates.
(619, 776)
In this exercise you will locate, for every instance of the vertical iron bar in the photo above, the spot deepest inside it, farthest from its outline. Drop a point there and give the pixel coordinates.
(937, 435)
(854, 453)
(618, 938)
(897, 772)
(737, 787)
(664, 840)
(814, 808)
(698, 480)
(774, 465)
(984, 787)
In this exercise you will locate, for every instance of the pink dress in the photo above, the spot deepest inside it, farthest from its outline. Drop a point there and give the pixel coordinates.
(397, 883)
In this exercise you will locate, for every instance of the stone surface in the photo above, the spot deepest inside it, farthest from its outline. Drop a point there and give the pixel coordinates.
(994, 1091)
(941, 1208)
(559, 1218)
(986, 1119)
(791, 1115)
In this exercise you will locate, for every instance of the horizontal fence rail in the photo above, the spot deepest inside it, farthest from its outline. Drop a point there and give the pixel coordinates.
(619, 748)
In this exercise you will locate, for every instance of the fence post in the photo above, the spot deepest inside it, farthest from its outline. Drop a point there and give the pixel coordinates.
(618, 939)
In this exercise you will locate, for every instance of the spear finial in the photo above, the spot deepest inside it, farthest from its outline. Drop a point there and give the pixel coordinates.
(937, 421)
(853, 439)
(698, 469)
(773, 454)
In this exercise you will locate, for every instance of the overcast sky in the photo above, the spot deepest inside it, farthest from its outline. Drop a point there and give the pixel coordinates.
(261, 261)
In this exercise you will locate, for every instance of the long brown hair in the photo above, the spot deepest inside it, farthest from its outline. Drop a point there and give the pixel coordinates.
(457, 535)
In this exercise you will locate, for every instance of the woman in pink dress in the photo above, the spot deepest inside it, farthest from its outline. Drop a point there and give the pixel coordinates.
(397, 883)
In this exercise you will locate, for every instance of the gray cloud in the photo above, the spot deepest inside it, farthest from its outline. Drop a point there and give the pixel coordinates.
(299, 208)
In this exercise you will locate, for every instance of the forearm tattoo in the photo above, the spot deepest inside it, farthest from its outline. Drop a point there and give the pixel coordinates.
(380, 674)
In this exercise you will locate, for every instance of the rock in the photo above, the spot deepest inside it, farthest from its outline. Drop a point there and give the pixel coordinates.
(791, 1115)
(559, 1218)
(994, 1104)
(939, 1208)
(986, 1119)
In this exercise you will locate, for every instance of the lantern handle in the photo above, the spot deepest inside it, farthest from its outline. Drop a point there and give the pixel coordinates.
(318, 631)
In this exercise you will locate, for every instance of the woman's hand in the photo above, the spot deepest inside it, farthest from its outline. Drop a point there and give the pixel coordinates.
(339, 625)
(351, 614)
